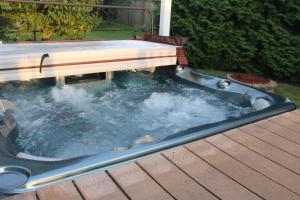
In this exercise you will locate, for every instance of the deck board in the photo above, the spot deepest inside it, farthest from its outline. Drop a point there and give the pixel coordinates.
(287, 123)
(279, 130)
(256, 161)
(99, 186)
(25, 196)
(275, 154)
(217, 182)
(64, 190)
(292, 116)
(137, 184)
(272, 139)
(297, 112)
(172, 179)
(246, 176)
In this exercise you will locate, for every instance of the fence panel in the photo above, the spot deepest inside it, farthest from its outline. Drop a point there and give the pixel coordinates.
(134, 17)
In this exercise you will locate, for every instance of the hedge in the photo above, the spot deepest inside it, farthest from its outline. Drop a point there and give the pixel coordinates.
(241, 35)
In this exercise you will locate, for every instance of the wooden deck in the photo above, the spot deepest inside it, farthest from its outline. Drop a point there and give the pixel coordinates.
(257, 161)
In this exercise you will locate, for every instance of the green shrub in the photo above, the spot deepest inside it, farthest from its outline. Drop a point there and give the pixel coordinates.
(65, 21)
(241, 35)
(4, 26)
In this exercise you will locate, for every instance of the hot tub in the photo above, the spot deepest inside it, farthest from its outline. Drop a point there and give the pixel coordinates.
(51, 134)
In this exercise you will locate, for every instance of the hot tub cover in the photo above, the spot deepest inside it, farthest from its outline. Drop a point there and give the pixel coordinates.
(22, 61)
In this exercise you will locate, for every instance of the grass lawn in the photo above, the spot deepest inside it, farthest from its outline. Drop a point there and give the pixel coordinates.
(289, 90)
(106, 31)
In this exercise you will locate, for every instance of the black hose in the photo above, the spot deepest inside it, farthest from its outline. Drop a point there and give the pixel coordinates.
(42, 60)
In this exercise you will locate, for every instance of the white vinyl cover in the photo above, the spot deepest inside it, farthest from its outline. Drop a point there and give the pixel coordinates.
(22, 61)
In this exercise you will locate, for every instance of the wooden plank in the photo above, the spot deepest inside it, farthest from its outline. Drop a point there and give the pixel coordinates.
(25, 196)
(221, 185)
(279, 142)
(297, 112)
(291, 116)
(272, 170)
(246, 176)
(99, 186)
(279, 130)
(285, 159)
(65, 190)
(287, 123)
(137, 184)
(172, 179)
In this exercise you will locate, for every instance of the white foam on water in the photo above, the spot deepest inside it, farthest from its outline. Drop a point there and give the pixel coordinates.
(180, 111)
(72, 95)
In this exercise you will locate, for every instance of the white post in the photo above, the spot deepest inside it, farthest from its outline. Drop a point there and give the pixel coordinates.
(60, 81)
(165, 17)
(109, 75)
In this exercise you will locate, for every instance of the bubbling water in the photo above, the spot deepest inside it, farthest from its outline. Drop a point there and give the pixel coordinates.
(97, 117)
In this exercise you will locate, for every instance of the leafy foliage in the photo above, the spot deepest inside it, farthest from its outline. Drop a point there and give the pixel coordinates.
(249, 35)
(4, 24)
(69, 22)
